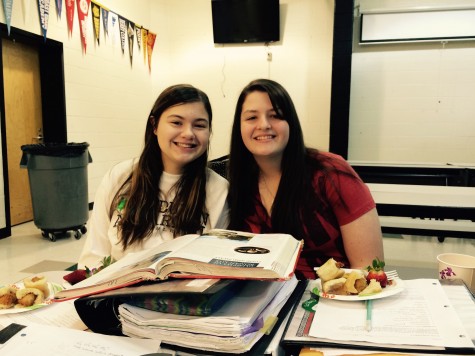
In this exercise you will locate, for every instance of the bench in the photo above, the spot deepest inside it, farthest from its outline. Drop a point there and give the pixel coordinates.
(442, 211)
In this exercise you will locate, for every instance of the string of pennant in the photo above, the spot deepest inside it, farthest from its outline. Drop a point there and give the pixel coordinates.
(129, 31)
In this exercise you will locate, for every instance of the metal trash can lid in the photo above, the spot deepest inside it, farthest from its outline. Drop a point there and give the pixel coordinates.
(71, 149)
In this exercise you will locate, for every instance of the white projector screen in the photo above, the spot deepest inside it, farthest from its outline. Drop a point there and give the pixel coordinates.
(417, 26)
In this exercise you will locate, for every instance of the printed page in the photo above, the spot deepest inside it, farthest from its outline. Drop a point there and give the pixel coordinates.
(128, 270)
(56, 314)
(242, 250)
(463, 302)
(56, 341)
(137, 260)
(420, 315)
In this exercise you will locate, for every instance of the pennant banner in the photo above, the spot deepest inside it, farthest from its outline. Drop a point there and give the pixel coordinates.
(150, 44)
(70, 15)
(114, 20)
(144, 43)
(123, 31)
(7, 10)
(59, 5)
(138, 34)
(96, 20)
(43, 9)
(113, 24)
(83, 10)
(130, 35)
(105, 20)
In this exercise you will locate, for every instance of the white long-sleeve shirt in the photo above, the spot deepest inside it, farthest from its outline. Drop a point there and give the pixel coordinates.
(102, 236)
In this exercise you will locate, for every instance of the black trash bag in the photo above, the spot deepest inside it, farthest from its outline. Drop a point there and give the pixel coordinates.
(56, 149)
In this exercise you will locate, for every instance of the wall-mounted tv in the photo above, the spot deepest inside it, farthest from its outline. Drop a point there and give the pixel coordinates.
(245, 21)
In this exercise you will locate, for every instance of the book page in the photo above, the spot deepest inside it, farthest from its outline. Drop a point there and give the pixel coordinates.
(242, 250)
(143, 260)
(420, 315)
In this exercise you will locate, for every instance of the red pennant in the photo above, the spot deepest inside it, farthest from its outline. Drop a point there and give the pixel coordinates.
(83, 10)
(70, 15)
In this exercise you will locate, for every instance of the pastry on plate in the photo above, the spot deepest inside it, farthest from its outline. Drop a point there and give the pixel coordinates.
(29, 296)
(38, 282)
(8, 297)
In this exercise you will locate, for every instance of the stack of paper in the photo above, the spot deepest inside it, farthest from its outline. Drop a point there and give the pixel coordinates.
(234, 328)
(421, 317)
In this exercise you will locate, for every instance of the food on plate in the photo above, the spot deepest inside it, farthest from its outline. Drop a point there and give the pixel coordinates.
(335, 286)
(330, 270)
(8, 297)
(373, 287)
(343, 283)
(376, 272)
(29, 296)
(362, 282)
(21, 296)
(355, 282)
(38, 282)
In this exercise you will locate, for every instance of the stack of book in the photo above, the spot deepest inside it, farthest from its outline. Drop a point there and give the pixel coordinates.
(234, 328)
(220, 291)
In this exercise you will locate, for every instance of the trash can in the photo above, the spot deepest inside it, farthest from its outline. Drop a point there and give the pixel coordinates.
(57, 173)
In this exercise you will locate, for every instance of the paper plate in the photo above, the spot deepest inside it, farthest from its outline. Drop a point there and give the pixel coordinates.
(53, 288)
(396, 286)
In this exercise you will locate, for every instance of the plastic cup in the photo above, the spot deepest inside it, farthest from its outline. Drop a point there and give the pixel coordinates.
(457, 266)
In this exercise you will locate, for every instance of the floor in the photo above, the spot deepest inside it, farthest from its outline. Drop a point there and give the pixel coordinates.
(27, 252)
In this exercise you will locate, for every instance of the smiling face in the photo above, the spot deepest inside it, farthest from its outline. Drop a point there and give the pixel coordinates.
(263, 132)
(183, 133)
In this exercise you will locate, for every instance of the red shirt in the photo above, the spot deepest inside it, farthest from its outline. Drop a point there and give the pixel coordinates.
(330, 210)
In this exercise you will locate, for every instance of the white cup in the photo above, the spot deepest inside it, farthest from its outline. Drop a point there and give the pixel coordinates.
(457, 266)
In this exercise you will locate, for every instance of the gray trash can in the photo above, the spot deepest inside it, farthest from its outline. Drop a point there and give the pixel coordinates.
(57, 173)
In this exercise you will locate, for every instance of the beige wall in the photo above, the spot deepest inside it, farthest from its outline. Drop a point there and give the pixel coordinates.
(108, 100)
(413, 102)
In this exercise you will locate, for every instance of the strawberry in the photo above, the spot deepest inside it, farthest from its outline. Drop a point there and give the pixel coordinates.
(75, 276)
(376, 272)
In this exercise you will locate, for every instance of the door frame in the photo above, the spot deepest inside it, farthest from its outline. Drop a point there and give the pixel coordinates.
(53, 98)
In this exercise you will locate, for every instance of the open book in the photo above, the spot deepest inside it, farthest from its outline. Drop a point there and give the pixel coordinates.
(222, 254)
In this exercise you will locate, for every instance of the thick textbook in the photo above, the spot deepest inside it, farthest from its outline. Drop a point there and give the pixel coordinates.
(222, 254)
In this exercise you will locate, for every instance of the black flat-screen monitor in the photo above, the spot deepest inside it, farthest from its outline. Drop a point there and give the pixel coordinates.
(244, 21)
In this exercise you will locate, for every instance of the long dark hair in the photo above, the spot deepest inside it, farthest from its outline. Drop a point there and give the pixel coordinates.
(141, 191)
(298, 165)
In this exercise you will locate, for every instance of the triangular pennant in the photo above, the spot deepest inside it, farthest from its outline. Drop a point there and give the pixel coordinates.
(114, 19)
(70, 15)
(83, 10)
(130, 35)
(123, 32)
(43, 9)
(96, 20)
(105, 20)
(138, 34)
(144, 43)
(150, 44)
(59, 6)
(7, 10)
